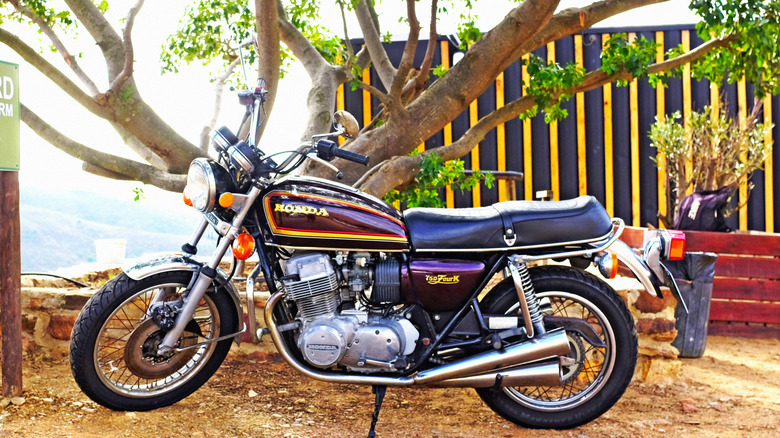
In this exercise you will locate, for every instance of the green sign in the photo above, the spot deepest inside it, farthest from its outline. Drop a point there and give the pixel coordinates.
(9, 116)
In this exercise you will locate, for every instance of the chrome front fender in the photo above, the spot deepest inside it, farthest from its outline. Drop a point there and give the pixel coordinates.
(181, 262)
(645, 273)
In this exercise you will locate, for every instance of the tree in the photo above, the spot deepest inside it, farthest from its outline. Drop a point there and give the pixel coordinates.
(741, 38)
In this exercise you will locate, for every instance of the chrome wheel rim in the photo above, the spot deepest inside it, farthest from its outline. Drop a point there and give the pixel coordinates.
(119, 359)
(596, 363)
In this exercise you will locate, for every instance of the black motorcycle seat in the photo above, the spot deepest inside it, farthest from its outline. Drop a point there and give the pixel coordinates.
(534, 223)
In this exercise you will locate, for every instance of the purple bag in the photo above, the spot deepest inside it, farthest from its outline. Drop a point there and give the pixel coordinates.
(704, 211)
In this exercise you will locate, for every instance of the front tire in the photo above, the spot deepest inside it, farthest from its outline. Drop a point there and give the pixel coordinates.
(593, 378)
(113, 345)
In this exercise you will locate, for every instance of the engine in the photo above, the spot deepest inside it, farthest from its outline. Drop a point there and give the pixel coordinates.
(337, 328)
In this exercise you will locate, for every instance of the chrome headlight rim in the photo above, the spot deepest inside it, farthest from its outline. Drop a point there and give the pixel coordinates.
(203, 166)
(210, 180)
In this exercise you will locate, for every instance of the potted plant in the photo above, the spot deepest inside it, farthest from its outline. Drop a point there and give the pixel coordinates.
(706, 161)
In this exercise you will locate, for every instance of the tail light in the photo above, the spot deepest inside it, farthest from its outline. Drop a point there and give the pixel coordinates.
(676, 245)
(670, 243)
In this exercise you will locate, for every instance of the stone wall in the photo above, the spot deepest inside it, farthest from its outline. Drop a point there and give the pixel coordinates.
(657, 361)
(50, 308)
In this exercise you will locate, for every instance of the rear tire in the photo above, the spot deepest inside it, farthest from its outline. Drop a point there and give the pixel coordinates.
(596, 378)
(113, 345)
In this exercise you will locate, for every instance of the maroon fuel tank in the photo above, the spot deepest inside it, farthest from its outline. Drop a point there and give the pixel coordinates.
(303, 212)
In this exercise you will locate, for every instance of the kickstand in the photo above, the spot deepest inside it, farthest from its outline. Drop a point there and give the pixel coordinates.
(379, 390)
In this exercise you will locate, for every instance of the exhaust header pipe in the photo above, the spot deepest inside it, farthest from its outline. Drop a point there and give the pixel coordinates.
(480, 369)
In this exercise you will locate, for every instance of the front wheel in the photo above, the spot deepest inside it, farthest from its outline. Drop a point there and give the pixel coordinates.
(113, 350)
(592, 377)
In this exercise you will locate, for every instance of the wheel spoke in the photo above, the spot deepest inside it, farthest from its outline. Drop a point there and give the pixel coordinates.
(126, 335)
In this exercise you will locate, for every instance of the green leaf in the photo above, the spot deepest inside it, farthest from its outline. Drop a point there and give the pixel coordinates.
(436, 174)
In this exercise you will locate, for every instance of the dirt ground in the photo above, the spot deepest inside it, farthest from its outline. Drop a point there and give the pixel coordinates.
(733, 391)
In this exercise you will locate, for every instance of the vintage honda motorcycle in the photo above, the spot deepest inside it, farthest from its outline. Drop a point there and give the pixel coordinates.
(364, 294)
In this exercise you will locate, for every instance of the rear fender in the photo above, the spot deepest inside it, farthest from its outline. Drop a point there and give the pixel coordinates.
(180, 262)
(644, 273)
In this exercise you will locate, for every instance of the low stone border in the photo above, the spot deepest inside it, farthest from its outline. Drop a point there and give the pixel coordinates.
(50, 308)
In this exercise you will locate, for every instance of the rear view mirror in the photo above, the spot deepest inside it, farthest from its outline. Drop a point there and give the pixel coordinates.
(346, 122)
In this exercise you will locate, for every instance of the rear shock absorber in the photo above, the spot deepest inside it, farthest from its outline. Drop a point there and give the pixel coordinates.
(529, 303)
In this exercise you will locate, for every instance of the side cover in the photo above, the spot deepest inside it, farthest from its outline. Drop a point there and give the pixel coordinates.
(306, 212)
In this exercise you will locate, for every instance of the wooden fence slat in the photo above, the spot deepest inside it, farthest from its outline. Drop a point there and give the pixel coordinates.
(609, 170)
(685, 36)
(769, 194)
(501, 140)
(582, 167)
(745, 311)
(340, 106)
(726, 243)
(719, 243)
(528, 168)
(660, 103)
(743, 186)
(743, 330)
(742, 289)
(747, 267)
(445, 62)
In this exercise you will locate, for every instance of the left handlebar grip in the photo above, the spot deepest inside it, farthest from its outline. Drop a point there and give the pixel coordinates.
(327, 149)
(351, 156)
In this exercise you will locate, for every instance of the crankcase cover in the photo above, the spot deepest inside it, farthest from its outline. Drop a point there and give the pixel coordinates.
(305, 212)
(324, 341)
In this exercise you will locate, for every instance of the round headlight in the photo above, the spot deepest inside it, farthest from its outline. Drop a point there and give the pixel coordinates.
(205, 181)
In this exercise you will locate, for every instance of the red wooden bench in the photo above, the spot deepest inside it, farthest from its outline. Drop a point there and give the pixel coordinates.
(746, 290)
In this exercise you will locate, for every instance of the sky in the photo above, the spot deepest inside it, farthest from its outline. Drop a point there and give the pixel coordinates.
(185, 100)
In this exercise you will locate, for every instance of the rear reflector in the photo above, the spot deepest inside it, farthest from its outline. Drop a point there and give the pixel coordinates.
(676, 245)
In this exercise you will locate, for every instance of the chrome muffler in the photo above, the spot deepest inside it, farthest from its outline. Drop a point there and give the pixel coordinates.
(547, 373)
(474, 370)
(545, 346)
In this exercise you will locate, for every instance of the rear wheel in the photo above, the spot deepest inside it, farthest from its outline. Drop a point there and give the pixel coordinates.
(593, 378)
(114, 344)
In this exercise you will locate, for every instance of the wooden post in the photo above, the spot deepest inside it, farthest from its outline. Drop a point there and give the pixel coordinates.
(10, 257)
(10, 284)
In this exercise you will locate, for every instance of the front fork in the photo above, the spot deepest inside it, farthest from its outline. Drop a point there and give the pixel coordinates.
(207, 273)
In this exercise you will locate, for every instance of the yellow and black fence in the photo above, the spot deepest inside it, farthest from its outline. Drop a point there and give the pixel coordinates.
(601, 148)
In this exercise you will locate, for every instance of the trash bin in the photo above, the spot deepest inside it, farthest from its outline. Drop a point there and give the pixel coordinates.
(694, 275)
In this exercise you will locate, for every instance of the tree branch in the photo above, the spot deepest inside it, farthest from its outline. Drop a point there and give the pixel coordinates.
(433, 38)
(312, 60)
(384, 68)
(400, 170)
(127, 67)
(407, 59)
(576, 20)
(59, 46)
(122, 166)
(350, 50)
(54, 74)
(219, 89)
(268, 52)
(101, 31)
(384, 98)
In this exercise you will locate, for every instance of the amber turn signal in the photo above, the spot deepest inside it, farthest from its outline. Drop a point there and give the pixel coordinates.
(607, 264)
(243, 246)
(226, 200)
(187, 201)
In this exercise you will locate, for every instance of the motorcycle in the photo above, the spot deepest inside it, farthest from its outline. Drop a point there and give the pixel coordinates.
(361, 293)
